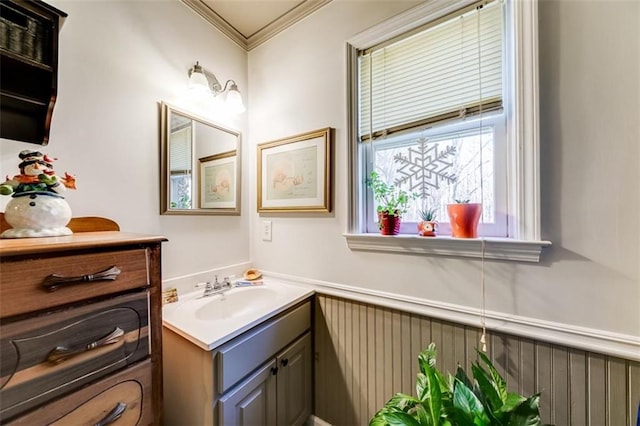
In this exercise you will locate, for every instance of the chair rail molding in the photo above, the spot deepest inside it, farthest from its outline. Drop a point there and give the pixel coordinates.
(601, 341)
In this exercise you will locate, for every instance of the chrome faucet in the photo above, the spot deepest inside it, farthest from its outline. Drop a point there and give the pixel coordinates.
(217, 287)
(226, 283)
(210, 289)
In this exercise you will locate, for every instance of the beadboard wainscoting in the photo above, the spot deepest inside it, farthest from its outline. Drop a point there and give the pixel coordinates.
(366, 353)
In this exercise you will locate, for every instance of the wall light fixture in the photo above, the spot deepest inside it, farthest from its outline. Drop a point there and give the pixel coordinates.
(201, 79)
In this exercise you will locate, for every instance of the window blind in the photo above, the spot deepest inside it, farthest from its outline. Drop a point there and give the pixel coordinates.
(180, 151)
(448, 70)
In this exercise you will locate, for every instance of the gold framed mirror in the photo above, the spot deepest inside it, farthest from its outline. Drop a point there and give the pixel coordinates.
(200, 165)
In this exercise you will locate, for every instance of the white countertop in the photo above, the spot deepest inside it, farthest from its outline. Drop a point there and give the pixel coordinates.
(211, 321)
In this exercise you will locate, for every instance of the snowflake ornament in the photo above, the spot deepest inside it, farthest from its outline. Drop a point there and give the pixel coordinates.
(426, 166)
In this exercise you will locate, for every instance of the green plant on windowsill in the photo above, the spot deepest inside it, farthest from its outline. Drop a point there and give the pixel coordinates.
(456, 401)
(428, 226)
(428, 215)
(390, 199)
(183, 203)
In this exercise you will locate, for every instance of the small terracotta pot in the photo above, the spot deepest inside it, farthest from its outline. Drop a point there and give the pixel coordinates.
(427, 228)
(389, 224)
(464, 219)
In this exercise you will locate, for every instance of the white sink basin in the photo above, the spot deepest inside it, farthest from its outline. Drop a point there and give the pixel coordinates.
(234, 303)
(210, 321)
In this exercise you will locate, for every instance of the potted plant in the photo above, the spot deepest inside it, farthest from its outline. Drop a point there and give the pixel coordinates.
(464, 217)
(457, 401)
(428, 227)
(392, 202)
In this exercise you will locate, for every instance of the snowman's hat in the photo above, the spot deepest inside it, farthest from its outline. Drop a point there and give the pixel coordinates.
(29, 154)
(29, 157)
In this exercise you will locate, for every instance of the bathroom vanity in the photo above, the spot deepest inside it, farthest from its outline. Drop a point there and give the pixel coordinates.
(251, 364)
(80, 329)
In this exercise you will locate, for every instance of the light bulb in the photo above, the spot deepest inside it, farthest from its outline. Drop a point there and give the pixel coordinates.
(197, 79)
(234, 100)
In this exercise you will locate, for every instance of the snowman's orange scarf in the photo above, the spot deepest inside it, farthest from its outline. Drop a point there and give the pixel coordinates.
(26, 179)
(69, 180)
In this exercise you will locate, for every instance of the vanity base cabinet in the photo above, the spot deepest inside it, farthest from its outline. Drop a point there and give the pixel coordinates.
(279, 393)
(188, 381)
(261, 377)
(294, 382)
(253, 402)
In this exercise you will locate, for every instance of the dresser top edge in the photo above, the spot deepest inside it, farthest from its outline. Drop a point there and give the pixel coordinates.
(77, 241)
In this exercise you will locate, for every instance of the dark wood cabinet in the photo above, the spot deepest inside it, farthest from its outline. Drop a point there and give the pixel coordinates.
(29, 63)
(124, 396)
(91, 349)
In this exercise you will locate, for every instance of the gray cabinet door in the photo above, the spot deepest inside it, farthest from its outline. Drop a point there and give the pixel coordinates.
(252, 402)
(294, 382)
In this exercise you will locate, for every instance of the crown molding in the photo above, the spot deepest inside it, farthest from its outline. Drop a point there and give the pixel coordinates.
(296, 14)
(217, 21)
(278, 25)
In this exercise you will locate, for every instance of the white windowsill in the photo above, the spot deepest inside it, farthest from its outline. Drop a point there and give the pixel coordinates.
(494, 248)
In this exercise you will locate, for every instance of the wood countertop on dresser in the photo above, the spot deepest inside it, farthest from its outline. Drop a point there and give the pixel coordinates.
(81, 240)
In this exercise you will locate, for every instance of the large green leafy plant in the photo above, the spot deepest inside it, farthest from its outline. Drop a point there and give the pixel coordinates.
(457, 401)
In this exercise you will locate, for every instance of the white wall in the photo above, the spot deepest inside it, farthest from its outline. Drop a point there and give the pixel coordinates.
(118, 59)
(590, 277)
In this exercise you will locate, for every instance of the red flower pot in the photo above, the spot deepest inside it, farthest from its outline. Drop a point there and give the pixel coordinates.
(464, 219)
(389, 224)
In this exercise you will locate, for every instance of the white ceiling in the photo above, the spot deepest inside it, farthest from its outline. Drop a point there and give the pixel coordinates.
(252, 22)
(248, 17)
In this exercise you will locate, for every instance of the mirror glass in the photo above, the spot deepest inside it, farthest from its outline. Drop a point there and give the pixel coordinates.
(200, 165)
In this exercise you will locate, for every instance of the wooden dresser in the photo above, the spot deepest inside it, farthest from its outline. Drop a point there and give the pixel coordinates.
(81, 330)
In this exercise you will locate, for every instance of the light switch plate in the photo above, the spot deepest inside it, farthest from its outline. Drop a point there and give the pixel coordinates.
(266, 230)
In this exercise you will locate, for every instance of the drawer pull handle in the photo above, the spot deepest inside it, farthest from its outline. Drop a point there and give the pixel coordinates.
(113, 415)
(61, 353)
(54, 281)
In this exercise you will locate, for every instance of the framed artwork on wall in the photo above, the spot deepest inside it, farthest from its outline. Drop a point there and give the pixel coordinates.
(294, 173)
(218, 181)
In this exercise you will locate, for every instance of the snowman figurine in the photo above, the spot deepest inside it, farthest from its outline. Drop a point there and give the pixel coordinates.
(37, 207)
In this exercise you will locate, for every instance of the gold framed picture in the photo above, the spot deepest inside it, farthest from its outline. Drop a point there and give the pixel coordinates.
(218, 181)
(294, 173)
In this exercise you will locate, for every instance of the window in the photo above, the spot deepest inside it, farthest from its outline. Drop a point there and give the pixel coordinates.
(441, 165)
(180, 174)
(443, 102)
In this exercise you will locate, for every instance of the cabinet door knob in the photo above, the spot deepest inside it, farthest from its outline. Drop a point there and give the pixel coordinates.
(284, 362)
(274, 371)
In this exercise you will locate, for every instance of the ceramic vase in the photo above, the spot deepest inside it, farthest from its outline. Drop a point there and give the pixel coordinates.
(464, 219)
(427, 228)
(37, 215)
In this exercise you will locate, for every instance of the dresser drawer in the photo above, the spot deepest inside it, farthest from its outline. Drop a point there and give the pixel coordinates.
(125, 395)
(22, 282)
(245, 353)
(44, 357)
